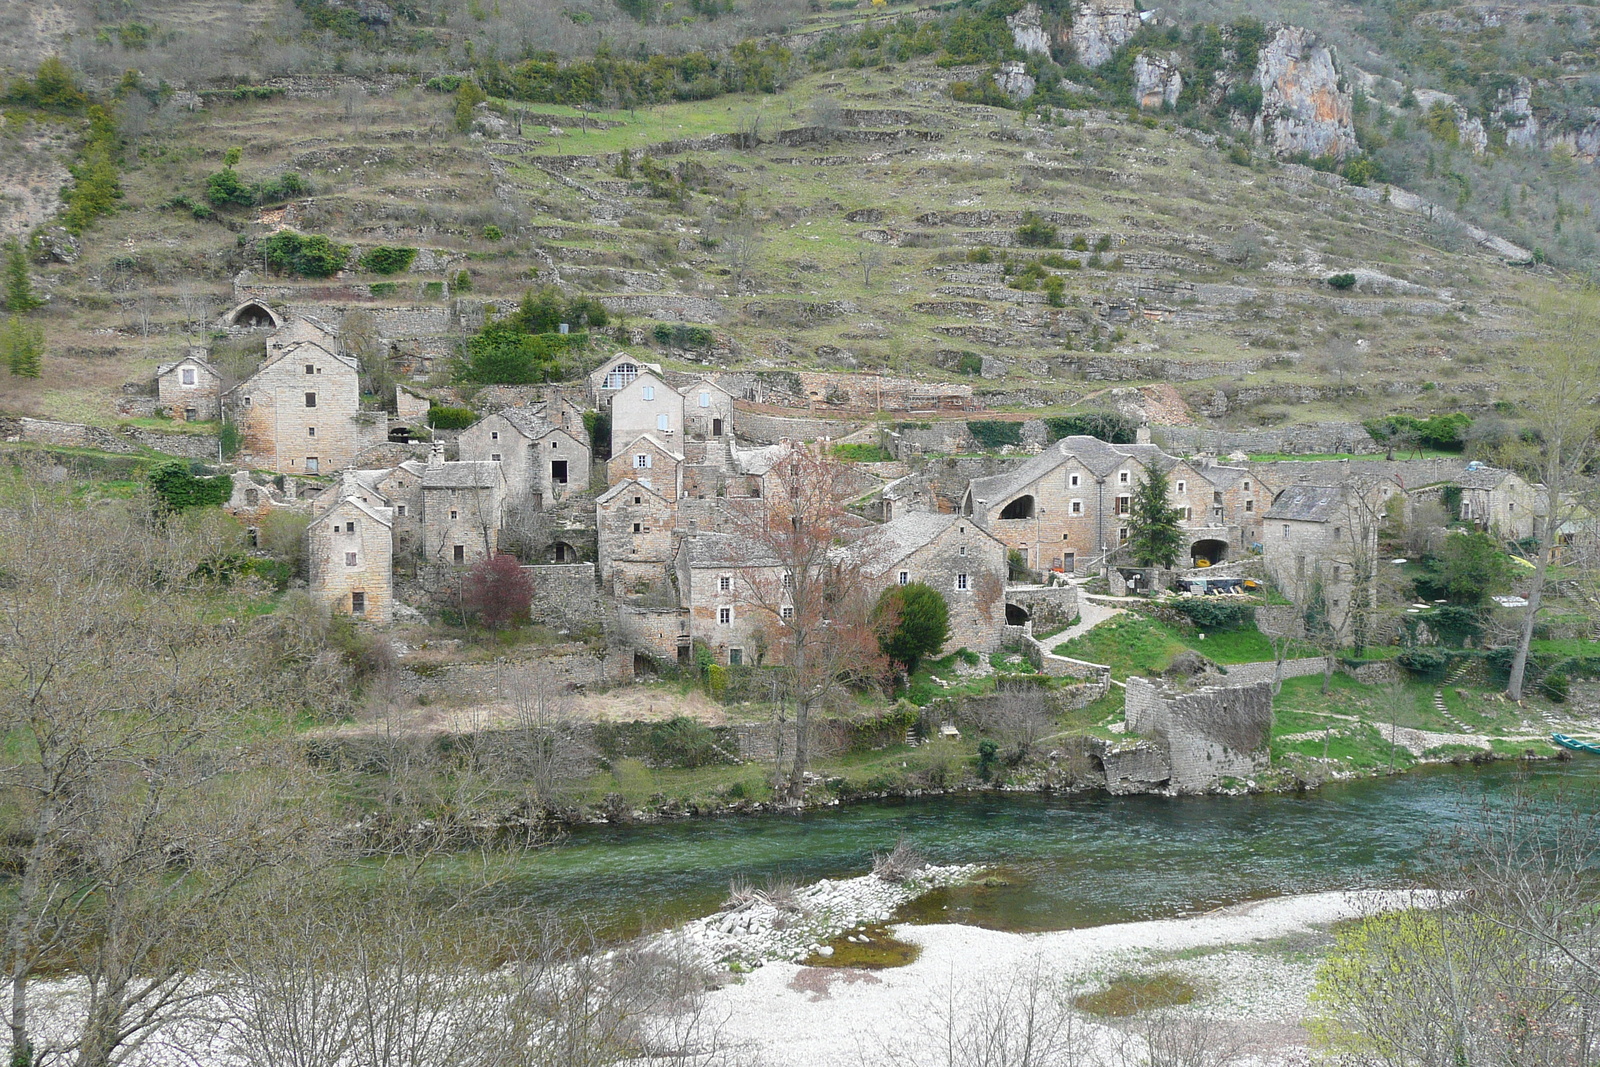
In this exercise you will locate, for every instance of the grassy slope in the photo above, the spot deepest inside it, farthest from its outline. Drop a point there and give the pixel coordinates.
(394, 173)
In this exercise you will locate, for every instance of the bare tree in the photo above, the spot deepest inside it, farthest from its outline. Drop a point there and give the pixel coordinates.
(740, 247)
(359, 334)
(143, 807)
(1022, 1018)
(1560, 400)
(813, 598)
(869, 257)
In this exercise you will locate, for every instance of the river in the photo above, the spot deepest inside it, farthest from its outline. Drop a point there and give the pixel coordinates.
(1065, 862)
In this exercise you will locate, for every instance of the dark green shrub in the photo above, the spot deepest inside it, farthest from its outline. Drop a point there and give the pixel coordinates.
(969, 363)
(683, 335)
(387, 259)
(682, 742)
(995, 433)
(1342, 281)
(310, 255)
(177, 487)
(1427, 663)
(1109, 426)
(441, 417)
(1556, 686)
(1035, 232)
(1215, 615)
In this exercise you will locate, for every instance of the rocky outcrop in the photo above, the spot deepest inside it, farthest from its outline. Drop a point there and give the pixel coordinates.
(1514, 111)
(1100, 27)
(1013, 80)
(1027, 31)
(1304, 106)
(1156, 81)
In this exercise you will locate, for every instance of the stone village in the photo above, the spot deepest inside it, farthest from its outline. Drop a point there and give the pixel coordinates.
(644, 546)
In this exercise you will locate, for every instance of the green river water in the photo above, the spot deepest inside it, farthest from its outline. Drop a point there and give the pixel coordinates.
(1067, 861)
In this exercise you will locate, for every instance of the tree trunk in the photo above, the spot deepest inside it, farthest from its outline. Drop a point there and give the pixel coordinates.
(21, 934)
(802, 749)
(1547, 543)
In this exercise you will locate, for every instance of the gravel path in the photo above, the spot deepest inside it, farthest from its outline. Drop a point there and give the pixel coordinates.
(1090, 615)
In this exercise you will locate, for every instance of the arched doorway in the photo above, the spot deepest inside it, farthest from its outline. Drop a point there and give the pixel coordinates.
(561, 552)
(1016, 615)
(253, 314)
(1020, 508)
(1208, 553)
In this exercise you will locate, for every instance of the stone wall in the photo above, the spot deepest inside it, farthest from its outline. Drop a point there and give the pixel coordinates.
(565, 595)
(1250, 673)
(1312, 439)
(1209, 733)
(125, 440)
(1048, 606)
(766, 429)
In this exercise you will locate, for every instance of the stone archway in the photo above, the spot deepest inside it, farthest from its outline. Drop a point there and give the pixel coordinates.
(1211, 550)
(253, 314)
(1017, 615)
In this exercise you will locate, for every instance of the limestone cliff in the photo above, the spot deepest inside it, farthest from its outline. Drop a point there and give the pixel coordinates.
(1100, 27)
(1027, 31)
(1156, 81)
(1305, 107)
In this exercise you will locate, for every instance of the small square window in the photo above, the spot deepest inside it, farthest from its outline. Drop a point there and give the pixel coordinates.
(349, 527)
(663, 421)
(786, 612)
(454, 514)
(460, 553)
(705, 400)
(638, 500)
(1122, 534)
(638, 527)
(494, 435)
(311, 400)
(905, 577)
(246, 401)
(1286, 529)
(1338, 533)
(962, 551)
(1249, 505)
(495, 456)
(1183, 487)
(961, 580)
(1072, 481)
(724, 616)
(735, 657)
(641, 461)
(311, 431)
(648, 392)
(724, 584)
(1076, 508)
(312, 465)
(349, 559)
(1247, 485)
(311, 368)
(400, 510)
(186, 375)
(1122, 477)
(358, 603)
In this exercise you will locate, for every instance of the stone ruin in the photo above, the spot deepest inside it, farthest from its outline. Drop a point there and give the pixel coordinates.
(1191, 736)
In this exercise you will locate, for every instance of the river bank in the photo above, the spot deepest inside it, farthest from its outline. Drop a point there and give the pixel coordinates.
(1252, 967)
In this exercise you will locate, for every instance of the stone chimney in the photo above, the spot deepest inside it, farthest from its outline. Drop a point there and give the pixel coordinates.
(436, 454)
(1141, 436)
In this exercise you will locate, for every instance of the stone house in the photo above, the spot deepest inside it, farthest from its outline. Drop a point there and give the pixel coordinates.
(251, 502)
(463, 508)
(350, 558)
(716, 573)
(1205, 733)
(1222, 508)
(300, 413)
(952, 554)
(1325, 538)
(398, 488)
(636, 529)
(1499, 501)
(543, 463)
(649, 460)
(615, 374)
(707, 410)
(1067, 507)
(647, 405)
(190, 389)
(304, 328)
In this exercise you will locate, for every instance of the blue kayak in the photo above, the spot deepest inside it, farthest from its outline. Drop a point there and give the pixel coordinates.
(1577, 746)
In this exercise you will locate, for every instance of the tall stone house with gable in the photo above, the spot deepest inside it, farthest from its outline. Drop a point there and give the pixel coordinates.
(351, 556)
(543, 464)
(952, 554)
(636, 527)
(463, 509)
(1324, 539)
(300, 412)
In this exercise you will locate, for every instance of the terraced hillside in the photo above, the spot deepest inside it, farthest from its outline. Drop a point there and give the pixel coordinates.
(858, 219)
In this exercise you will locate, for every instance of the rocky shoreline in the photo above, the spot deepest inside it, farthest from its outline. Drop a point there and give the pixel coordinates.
(782, 922)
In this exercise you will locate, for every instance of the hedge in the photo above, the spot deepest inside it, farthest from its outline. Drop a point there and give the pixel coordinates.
(387, 259)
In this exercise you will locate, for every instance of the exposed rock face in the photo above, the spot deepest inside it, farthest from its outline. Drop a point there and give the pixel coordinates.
(1303, 107)
(1473, 135)
(1100, 27)
(1027, 31)
(1514, 110)
(1156, 81)
(1014, 81)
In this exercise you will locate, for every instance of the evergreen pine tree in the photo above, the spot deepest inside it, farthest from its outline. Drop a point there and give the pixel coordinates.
(18, 286)
(1154, 538)
(22, 347)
